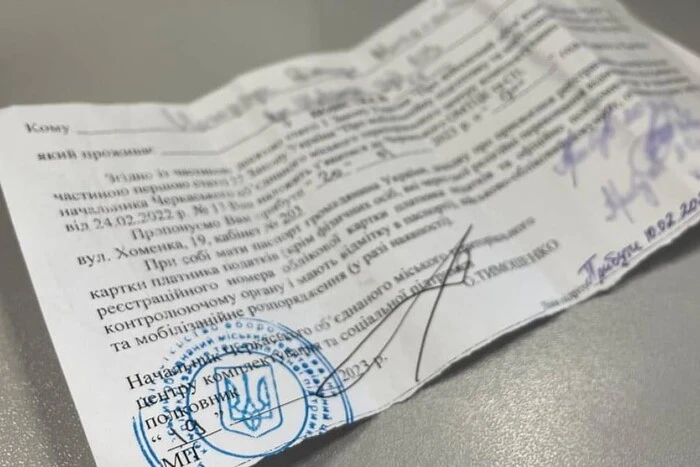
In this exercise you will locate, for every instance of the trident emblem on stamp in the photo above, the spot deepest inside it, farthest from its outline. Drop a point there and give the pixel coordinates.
(248, 403)
(256, 411)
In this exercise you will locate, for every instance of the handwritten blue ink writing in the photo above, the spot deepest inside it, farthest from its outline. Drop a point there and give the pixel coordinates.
(667, 134)
(671, 133)
(596, 272)
(597, 142)
(617, 202)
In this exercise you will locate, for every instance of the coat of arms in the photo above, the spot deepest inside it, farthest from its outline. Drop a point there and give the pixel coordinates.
(256, 410)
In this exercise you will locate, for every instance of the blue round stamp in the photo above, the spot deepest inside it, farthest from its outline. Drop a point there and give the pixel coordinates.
(245, 389)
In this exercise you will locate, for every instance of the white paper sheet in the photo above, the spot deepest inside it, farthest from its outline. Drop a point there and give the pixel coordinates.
(317, 239)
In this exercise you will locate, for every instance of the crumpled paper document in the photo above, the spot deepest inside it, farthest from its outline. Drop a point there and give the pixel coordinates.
(315, 240)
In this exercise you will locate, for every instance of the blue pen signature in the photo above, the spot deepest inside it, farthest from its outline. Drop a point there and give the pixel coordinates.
(671, 131)
(597, 142)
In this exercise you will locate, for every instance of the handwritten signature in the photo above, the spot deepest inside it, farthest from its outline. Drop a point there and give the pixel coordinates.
(598, 142)
(458, 264)
(670, 131)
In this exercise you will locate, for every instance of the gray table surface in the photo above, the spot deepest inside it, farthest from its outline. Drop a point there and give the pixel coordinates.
(614, 381)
